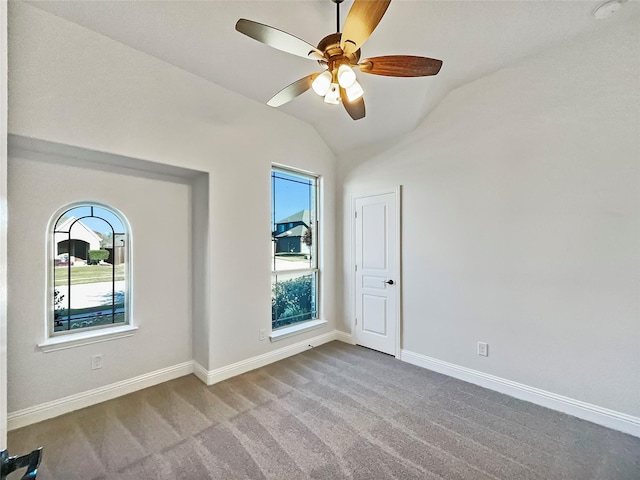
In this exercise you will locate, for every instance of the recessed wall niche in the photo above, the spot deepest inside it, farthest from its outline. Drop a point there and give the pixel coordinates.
(167, 209)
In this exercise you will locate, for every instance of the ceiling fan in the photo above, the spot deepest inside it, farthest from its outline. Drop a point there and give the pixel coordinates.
(339, 54)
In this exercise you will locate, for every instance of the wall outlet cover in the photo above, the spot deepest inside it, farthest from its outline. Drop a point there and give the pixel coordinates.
(96, 362)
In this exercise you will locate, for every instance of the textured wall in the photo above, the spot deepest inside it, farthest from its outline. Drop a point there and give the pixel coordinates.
(75, 87)
(521, 222)
(158, 214)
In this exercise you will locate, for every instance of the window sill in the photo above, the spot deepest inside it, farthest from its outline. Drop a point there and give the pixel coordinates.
(79, 339)
(296, 329)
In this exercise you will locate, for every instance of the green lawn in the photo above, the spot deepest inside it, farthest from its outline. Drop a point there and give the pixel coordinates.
(88, 274)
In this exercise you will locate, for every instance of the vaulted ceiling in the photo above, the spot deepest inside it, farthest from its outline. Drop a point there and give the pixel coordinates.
(473, 38)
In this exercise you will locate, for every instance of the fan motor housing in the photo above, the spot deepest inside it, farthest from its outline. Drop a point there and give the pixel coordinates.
(330, 47)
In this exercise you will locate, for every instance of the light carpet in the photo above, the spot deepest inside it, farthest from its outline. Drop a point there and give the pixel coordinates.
(333, 412)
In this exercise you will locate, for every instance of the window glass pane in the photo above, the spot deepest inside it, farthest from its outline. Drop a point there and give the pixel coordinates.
(89, 269)
(293, 224)
(293, 298)
(293, 199)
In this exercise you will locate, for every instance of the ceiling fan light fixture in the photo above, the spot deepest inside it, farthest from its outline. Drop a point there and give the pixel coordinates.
(354, 91)
(322, 83)
(338, 55)
(346, 76)
(333, 95)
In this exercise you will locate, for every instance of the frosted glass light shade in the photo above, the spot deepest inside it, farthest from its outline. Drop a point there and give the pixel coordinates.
(354, 92)
(322, 83)
(346, 76)
(333, 95)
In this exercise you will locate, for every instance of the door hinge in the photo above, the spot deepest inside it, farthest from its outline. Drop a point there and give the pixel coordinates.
(356, 320)
(356, 268)
(356, 214)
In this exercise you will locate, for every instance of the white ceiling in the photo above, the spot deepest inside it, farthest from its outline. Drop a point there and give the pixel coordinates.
(473, 38)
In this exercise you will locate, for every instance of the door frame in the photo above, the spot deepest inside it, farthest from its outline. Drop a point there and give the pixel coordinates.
(4, 80)
(397, 191)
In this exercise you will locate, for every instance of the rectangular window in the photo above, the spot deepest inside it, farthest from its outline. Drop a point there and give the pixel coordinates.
(294, 234)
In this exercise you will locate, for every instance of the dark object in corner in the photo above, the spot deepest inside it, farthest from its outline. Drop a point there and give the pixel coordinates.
(10, 464)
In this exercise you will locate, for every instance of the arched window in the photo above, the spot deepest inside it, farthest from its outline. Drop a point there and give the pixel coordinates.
(90, 265)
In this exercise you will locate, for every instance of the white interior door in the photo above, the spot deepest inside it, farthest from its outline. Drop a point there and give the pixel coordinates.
(376, 272)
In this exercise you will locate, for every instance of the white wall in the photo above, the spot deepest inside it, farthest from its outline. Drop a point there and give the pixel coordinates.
(75, 87)
(201, 277)
(521, 222)
(159, 216)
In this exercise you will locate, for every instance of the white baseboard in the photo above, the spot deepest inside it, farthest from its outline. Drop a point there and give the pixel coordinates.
(586, 411)
(219, 374)
(345, 337)
(593, 413)
(200, 372)
(44, 411)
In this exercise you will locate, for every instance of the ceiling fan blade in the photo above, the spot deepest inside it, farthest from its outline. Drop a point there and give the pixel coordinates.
(355, 109)
(278, 39)
(290, 92)
(401, 66)
(361, 21)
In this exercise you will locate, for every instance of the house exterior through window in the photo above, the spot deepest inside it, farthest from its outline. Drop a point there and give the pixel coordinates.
(294, 234)
(89, 264)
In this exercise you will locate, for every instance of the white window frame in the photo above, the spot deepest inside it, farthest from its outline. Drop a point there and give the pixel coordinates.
(303, 325)
(60, 340)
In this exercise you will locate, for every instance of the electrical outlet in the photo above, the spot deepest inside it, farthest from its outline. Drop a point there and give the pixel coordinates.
(483, 349)
(263, 334)
(96, 361)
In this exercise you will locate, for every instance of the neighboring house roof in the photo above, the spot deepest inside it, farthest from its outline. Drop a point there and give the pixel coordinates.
(66, 225)
(63, 219)
(293, 232)
(301, 216)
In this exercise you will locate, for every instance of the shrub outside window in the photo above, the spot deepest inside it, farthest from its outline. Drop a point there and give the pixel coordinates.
(89, 261)
(294, 234)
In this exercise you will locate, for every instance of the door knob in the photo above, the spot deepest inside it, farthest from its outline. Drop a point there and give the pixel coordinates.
(390, 282)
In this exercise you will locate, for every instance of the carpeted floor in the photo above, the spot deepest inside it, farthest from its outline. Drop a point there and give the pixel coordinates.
(333, 412)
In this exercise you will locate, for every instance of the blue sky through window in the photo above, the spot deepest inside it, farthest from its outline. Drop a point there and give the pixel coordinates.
(290, 194)
(96, 224)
